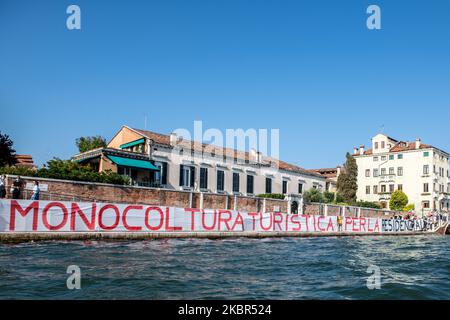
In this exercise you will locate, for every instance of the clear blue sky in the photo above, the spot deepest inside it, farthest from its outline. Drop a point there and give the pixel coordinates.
(310, 68)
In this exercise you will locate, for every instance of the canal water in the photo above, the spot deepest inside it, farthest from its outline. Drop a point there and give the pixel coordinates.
(416, 267)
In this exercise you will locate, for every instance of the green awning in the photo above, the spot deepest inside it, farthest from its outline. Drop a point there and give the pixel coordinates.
(127, 162)
(132, 143)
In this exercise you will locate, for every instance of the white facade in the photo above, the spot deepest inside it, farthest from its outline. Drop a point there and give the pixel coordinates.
(421, 171)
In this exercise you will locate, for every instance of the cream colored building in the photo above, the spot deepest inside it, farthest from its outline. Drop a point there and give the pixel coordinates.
(166, 161)
(420, 170)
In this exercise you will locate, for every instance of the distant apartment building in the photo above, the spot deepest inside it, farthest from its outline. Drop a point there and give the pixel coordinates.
(167, 161)
(420, 170)
(331, 175)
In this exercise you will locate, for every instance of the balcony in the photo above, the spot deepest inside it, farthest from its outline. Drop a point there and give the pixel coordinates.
(387, 178)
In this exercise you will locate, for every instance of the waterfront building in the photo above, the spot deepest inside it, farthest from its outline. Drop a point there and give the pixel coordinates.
(168, 161)
(420, 170)
(331, 175)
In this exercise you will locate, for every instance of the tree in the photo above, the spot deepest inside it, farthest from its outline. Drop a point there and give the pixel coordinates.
(328, 197)
(89, 143)
(313, 195)
(7, 153)
(347, 183)
(398, 201)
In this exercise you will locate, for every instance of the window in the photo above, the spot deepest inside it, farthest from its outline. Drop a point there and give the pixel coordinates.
(382, 144)
(426, 154)
(391, 170)
(300, 188)
(375, 158)
(161, 175)
(383, 171)
(391, 188)
(426, 169)
(375, 189)
(285, 183)
(250, 180)
(220, 180)
(383, 188)
(383, 158)
(367, 189)
(400, 156)
(235, 182)
(400, 171)
(268, 185)
(391, 157)
(187, 176)
(425, 187)
(426, 204)
(400, 187)
(376, 145)
(367, 172)
(375, 172)
(203, 178)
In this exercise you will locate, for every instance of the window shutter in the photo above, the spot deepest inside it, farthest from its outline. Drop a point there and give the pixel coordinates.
(164, 173)
(192, 176)
(181, 175)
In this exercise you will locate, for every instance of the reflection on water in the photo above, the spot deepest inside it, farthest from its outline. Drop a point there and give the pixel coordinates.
(288, 268)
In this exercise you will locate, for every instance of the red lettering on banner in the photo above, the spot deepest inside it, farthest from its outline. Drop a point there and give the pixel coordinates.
(306, 221)
(368, 225)
(314, 223)
(221, 212)
(45, 213)
(355, 225)
(253, 216)
(100, 217)
(348, 221)
(376, 228)
(277, 220)
(124, 218)
(330, 224)
(169, 228)
(319, 219)
(204, 214)
(295, 220)
(192, 211)
(238, 220)
(16, 206)
(161, 218)
(76, 209)
(270, 227)
(362, 224)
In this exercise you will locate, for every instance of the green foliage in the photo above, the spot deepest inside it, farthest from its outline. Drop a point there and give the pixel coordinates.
(367, 204)
(313, 195)
(347, 181)
(328, 197)
(339, 198)
(398, 201)
(89, 143)
(272, 196)
(7, 153)
(68, 170)
(409, 208)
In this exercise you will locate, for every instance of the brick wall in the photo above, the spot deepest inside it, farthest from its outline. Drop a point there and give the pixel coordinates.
(84, 191)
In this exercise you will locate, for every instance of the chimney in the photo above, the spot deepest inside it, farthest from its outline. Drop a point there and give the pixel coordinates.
(255, 156)
(355, 150)
(173, 139)
(418, 143)
(361, 150)
(338, 171)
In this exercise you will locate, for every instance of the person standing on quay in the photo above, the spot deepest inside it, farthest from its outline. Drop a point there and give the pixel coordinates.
(339, 222)
(2, 187)
(36, 191)
(15, 189)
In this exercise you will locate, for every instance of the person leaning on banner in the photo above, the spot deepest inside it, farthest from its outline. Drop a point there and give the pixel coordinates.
(339, 222)
(36, 191)
(15, 188)
(2, 187)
